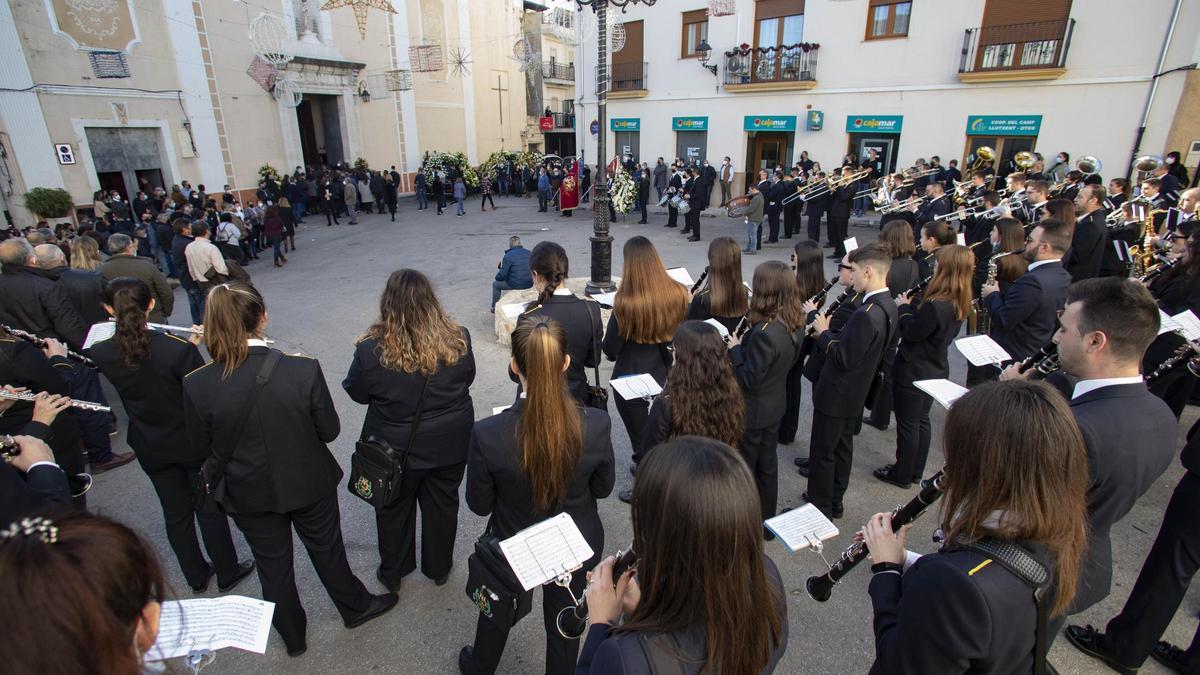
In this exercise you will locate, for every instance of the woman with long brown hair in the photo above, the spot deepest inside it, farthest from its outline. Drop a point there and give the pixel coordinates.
(704, 596)
(544, 456)
(724, 296)
(1062, 209)
(414, 368)
(1008, 234)
(925, 336)
(649, 306)
(809, 263)
(263, 420)
(897, 238)
(1016, 478)
(762, 361)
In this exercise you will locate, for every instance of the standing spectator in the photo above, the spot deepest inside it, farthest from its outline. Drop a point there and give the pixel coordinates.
(389, 196)
(273, 229)
(83, 282)
(289, 225)
(228, 238)
(514, 270)
(439, 192)
(660, 178)
(485, 188)
(124, 263)
(183, 238)
(543, 190)
(204, 261)
(350, 195)
(708, 174)
(375, 183)
(419, 186)
(460, 196)
(643, 194)
(331, 202)
(726, 177)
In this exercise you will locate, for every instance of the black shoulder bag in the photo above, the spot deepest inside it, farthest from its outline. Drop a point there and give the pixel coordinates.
(210, 481)
(597, 395)
(376, 468)
(492, 586)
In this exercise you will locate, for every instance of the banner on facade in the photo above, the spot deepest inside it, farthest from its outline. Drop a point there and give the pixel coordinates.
(1004, 125)
(874, 124)
(546, 123)
(689, 124)
(625, 124)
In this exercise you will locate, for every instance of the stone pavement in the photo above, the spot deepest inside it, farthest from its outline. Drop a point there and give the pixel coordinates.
(328, 294)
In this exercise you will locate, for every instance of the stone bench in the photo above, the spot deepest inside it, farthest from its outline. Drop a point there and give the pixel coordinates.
(505, 324)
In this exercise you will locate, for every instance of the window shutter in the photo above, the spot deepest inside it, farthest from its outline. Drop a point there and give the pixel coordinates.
(1007, 12)
(695, 16)
(770, 9)
(632, 53)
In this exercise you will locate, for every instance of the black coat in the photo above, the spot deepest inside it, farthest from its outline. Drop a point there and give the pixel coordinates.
(32, 300)
(86, 290)
(658, 424)
(24, 365)
(841, 202)
(817, 206)
(1087, 247)
(178, 246)
(497, 485)
(925, 337)
(580, 319)
(281, 462)
(392, 396)
(43, 490)
(933, 208)
(152, 395)
(853, 355)
(761, 364)
(816, 358)
(633, 358)
(1130, 437)
(700, 309)
(1025, 316)
(775, 195)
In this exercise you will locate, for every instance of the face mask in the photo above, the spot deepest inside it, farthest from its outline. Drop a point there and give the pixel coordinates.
(1170, 160)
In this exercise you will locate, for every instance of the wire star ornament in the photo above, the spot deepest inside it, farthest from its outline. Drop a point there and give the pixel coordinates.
(460, 62)
(360, 8)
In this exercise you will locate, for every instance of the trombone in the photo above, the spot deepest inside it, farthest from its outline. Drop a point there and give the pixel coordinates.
(829, 185)
(904, 205)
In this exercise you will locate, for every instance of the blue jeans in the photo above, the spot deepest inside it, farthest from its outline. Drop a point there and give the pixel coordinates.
(498, 287)
(298, 212)
(422, 201)
(461, 211)
(275, 242)
(195, 298)
(752, 234)
(93, 425)
(862, 203)
(167, 262)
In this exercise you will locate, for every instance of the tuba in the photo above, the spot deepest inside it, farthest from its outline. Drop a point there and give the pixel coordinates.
(1088, 165)
(984, 153)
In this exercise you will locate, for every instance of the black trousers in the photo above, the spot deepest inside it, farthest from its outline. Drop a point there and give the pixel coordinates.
(485, 199)
(331, 213)
(1161, 585)
(320, 529)
(173, 483)
(758, 449)
(912, 430)
(634, 415)
(791, 221)
(672, 215)
(561, 653)
(839, 228)
(791, 410)
(436, 491)
(642, 206)
(830, 454)
(814, 228)
(758, 239)
(773, 222)
(692, 221)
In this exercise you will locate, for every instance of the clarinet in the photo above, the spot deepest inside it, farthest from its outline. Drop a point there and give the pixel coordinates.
(1044, 362)
(833, 307)
(1156, 271)
(572, 621)
(820, 587)
(1187, 355)
(700, 282)
(41, 344)
(918, 287)
(819, 298)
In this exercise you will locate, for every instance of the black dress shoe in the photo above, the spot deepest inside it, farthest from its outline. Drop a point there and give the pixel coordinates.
(380, 605)
(887, 476)
(804, 470)
(693, 238)
(881, 427)
(768, 535)
(298, 651)
(632, 468)
(441, 581)
(1171, 656)
(836, 511)
(244, 569)
(466, 657)
(626, 495)
(392, 586)
(801, 461)
(1087, 640)
(202, 587)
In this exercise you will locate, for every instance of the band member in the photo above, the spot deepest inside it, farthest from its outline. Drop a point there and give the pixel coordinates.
(1035, 204)
(147, 369)
(674, 188)
(853, 359)
(925, 336)
(841, 200)
(761, 361)
(1016, 185)
(779, 189)
(1059, 209)
(1176, 290)
(934, 235)
(1122, 230)
(1152, 191)
(977, 227)
(814, 208)
(724, 297)
(810, 280)
(737, 623)
(1168, 184)
(696, 192)
(1008, 234)
(1129, 433)
(1011, 448)
(544, 456)
(894, 191)
(903, 274)
(280, 474)
(1118, 192)
(1071, 185)
(413, 368)
(649, 306)
(1024, 316)
(936, 204)
(1087, 241)
(791, 210)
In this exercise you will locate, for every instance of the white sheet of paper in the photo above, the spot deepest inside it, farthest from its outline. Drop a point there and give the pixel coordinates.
(1188, 324)
(542, 552)
(944, 392)
(513, 310)
(981, 350)
(99, 332)
(800, 527)
(500, 408)
(605, 299)
(633, 387)
(1166, 323)
(719, 326)
(212, 623)
(962, 239)
(850, 244)
(681, 275)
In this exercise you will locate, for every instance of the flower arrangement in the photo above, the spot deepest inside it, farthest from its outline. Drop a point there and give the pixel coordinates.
(266, 171)
(624, 191)
(438, 161)
(361, 164)
(520, 160)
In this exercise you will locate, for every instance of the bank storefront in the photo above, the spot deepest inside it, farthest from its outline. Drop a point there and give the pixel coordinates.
(880, 133)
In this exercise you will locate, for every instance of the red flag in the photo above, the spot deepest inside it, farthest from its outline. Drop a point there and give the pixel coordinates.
(568, 192)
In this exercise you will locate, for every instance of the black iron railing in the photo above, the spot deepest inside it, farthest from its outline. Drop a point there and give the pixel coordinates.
(564, 120)
(788, 63)
(1019, 46)
(554, 70)
(559, 16)
(626, 77)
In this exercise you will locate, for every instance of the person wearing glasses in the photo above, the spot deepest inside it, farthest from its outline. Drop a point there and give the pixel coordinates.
(1025, 316)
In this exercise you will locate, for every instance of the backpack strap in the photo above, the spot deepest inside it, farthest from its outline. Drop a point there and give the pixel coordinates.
(1033, 573)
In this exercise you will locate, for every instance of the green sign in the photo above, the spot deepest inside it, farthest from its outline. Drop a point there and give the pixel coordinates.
(874, 124)
(815, 120)
(769, 123)
(625, 124)
(1004, 125)
(689, 124)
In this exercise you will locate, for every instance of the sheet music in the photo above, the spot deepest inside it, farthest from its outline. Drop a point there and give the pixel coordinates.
(633, 387)
(541, 552)
(1166, 324)
(1188, 324)
(982, 350)
(961, 240)
(513, 310)
(944, 392)
(605, 299)
(800, 527)
(681, 275)
(500, 408)
(99, 332)
(212, 623)
(850, 244)
(719, 326)
(1122, 249)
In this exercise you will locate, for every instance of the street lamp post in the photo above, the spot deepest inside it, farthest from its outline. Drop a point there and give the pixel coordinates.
(601, 280)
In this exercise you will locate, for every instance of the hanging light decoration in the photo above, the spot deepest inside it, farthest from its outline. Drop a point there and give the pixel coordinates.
(268, 35)
(287, 92)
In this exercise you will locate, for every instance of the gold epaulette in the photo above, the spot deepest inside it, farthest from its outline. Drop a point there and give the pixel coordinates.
(199, 369)
(176, 337)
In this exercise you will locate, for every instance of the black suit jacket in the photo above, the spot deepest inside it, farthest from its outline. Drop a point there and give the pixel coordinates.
(41, 491)
(24, 365)
(925, 336)
(816, 358)
(633, 358)
(392, 397)
(152, 395)
(933, 208)
(33, 300)
(1025, 316)
(761, 363)
(280, 463)
(1130, 436)
(841, 201)
(902, 275)
(498, 486)
(580, 318)
(1087, 247)
(776, 194)
(853, 355)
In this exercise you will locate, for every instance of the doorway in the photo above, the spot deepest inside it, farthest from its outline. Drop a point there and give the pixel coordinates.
(628, 143)
(126, 157)
(884, 147)
(113, 181)
(769, 150)
(1006, 147)
(320, 130)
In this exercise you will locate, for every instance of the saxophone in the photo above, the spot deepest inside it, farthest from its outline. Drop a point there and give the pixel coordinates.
(983, 320)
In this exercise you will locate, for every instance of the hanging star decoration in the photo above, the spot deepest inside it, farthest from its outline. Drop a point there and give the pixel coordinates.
(460, 62)
(360, 8)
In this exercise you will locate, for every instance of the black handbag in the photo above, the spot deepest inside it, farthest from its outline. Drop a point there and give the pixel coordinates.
(492, 586)
(597, 395)
(376, 469)
(209, 482)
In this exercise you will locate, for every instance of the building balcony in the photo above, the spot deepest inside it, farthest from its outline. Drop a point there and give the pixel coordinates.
(553, 70)
(1022, 51)
(559, 17)
(771, 68)
(625, 80)
(564, 120)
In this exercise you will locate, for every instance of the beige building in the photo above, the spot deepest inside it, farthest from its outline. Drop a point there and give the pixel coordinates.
(126, 96)
(558, 80)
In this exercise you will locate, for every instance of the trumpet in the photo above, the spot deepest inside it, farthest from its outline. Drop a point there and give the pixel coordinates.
(904, 205)
(41, 343)
(820, 587)
(75, 403)
(572, 621)
(78, 483)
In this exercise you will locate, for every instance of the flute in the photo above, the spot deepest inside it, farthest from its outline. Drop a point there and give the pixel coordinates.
(40, 343)
(31, 397)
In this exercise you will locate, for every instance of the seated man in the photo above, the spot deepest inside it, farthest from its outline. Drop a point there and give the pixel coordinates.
(514, 270)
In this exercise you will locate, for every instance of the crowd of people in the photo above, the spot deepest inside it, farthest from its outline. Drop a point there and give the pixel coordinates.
(1043, 456)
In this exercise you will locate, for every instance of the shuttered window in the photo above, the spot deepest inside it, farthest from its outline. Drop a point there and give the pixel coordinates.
(887, 19)
(695, 31)
(1022, 35)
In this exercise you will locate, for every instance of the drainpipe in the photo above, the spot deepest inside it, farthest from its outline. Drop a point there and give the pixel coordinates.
(1162, 57)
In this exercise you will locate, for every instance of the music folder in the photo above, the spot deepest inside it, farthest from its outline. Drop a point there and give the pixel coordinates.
(633, 387)
(546, 551)
(681, 275)
(944, 392)
(802, 527)
(982, 350)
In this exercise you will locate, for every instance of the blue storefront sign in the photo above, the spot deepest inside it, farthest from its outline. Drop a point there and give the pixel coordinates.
(815, 120)
(1004, 125)
(689, 124)
(874, 124)
(769, 123)
(625, 124)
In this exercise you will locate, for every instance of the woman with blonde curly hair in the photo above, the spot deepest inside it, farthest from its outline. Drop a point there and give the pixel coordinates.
(414, 368)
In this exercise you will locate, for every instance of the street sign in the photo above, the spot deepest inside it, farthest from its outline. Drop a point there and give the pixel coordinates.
(66, 154)
(595, 127)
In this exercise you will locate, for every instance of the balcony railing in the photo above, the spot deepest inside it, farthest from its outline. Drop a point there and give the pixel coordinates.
(625, 77)
(553, 70)
(1020, 46)
(560, 17)
(789, 63)
(564, 120)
